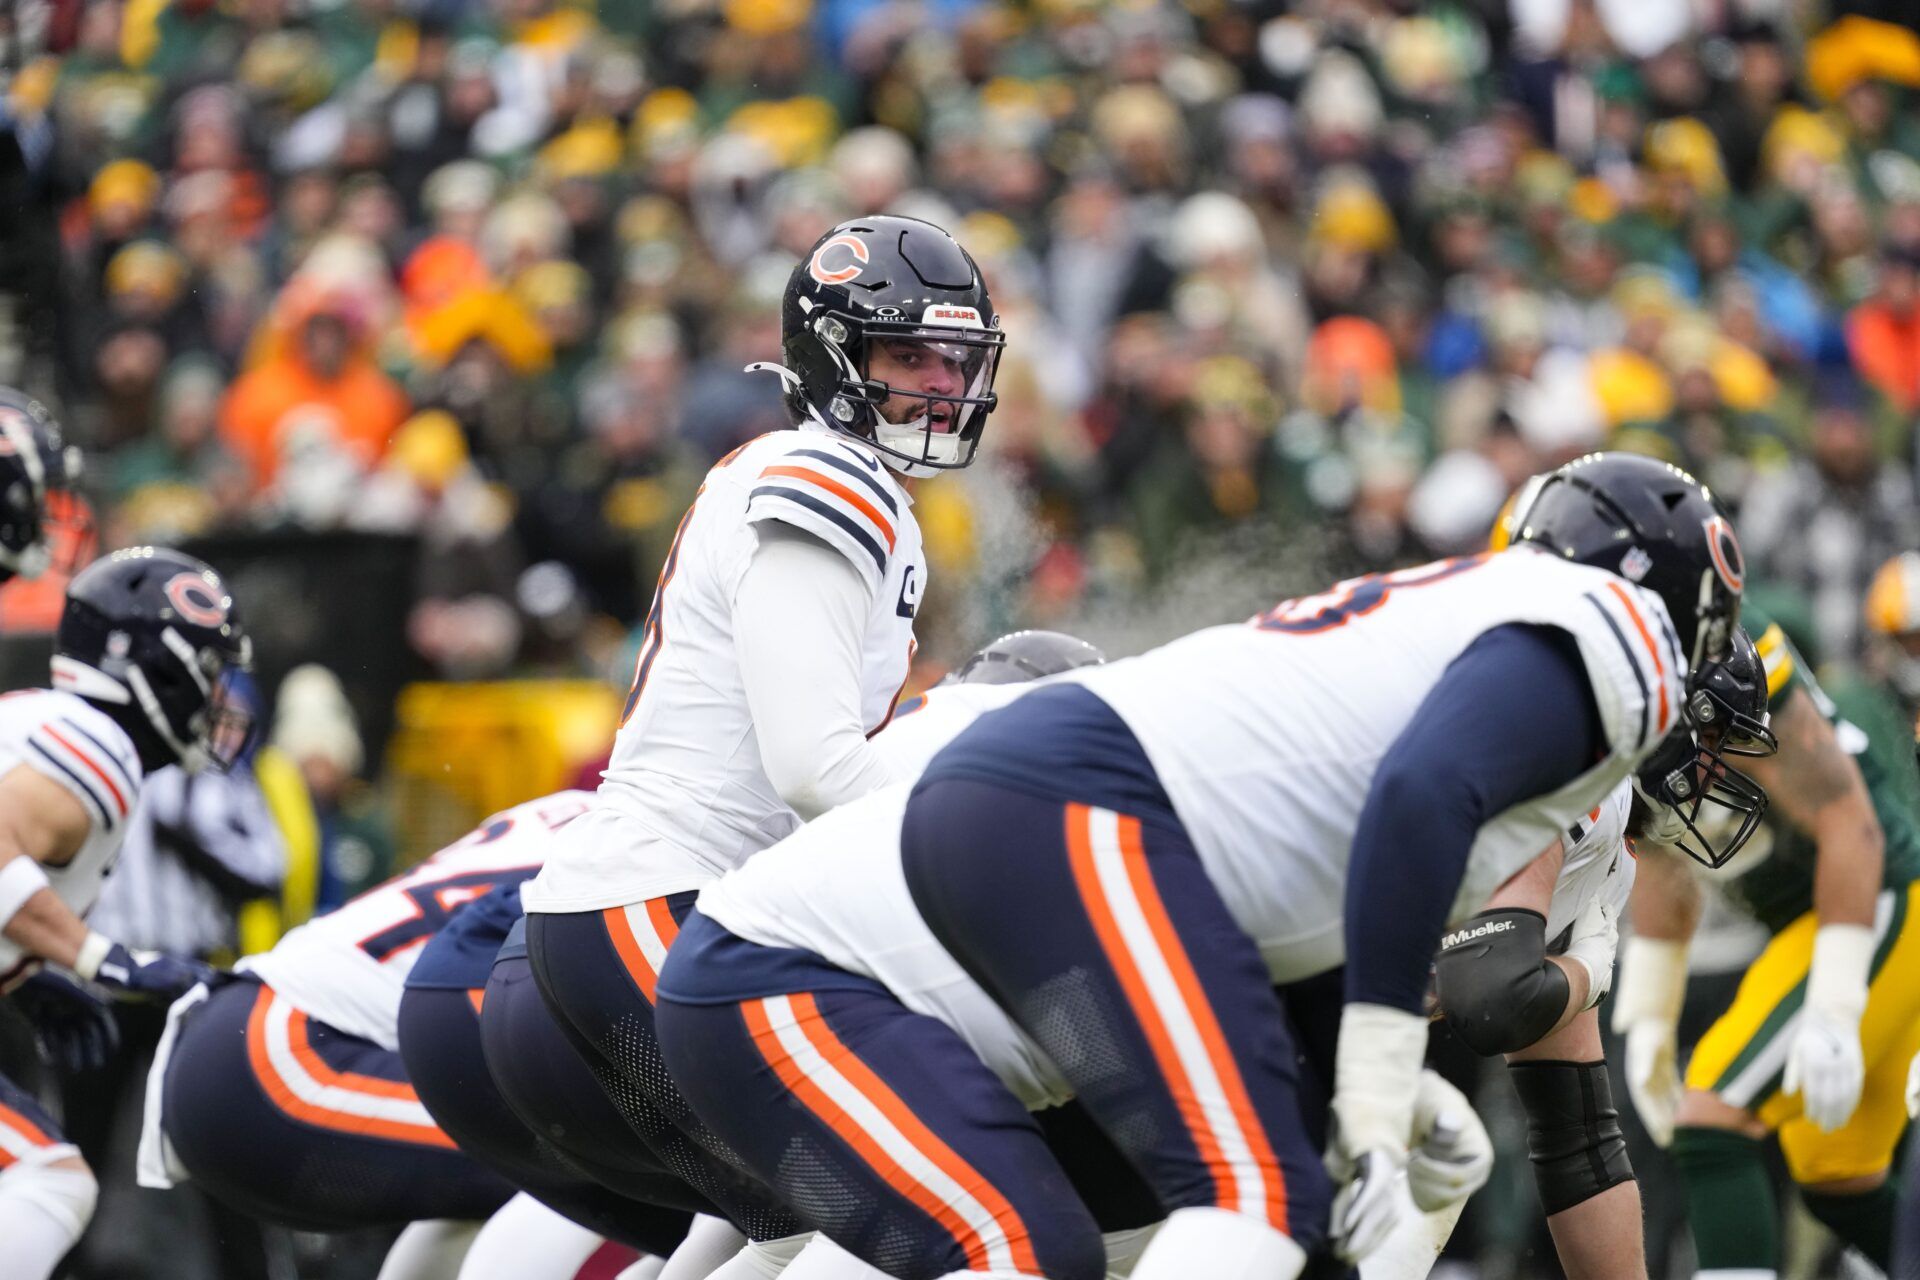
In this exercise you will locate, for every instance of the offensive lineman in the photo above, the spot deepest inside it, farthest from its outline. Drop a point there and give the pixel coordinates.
(778, 639)
(1815, 1046)
(145, 642)
(285, 1094)
(1126, 860)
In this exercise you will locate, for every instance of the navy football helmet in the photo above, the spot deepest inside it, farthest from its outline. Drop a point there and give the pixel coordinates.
(1651, 523)
(37, 472)
(909, 285)
(1726, 716)
(153, 638)
(1027, 655)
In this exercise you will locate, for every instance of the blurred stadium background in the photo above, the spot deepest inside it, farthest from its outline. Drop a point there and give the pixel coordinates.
(422, 319)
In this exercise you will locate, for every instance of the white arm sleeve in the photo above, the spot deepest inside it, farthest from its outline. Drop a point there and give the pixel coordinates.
(799, 620)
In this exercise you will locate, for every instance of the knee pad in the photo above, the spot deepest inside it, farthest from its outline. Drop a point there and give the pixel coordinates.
(1573, 1131)
(64, 1193)
(1221, 1245)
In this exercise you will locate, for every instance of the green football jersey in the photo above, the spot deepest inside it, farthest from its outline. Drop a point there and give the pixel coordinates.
(1871, 728)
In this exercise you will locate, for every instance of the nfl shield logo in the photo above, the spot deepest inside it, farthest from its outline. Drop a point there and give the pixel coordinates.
(1634, 565)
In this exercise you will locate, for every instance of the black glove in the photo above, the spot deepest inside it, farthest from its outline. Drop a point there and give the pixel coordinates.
(75, 1027)
(140, 975)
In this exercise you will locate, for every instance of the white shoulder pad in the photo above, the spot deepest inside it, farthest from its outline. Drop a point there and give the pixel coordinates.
(838, 493)
(1634, 659)
(80, 748)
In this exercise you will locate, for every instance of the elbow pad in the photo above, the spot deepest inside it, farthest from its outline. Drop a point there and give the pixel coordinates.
(1496, 987)
(1573, 1131)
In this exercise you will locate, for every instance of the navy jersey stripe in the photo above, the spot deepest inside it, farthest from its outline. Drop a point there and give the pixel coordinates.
(811, 503)
(106, 815)
(861, 474)
(1646, 696)
(118, 763)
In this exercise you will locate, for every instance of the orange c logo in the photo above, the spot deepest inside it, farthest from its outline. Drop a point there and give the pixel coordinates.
(195, 601)
(1724, 548)
(819, 270)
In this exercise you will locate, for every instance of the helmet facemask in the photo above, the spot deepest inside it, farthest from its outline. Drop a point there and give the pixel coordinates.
(1725, 716)
(918, 430)
(194, 702)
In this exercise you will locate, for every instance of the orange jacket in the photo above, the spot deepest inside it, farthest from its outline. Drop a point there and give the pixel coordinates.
(1886, 350)
(363, 406)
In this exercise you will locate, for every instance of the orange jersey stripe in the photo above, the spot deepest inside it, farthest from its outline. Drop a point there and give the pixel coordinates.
(631, 955)
(1087, 880)
(25, 1127)
(477, 997)
(98, 772)
(840, 491)
(814, 1027)
(281, 1094)
(1195, 998)
(1646, 638)
(828, 1112)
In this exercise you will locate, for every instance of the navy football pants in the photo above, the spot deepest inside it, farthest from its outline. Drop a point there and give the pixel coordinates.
(883, 1129)
(440, 1044)
(597, 971)
(295, 1122)
(1103, 937)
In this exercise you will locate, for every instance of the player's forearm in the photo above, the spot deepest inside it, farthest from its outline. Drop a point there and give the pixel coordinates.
(1601, 1238)
(46, 927)
(1849, 862)
(1667, 900)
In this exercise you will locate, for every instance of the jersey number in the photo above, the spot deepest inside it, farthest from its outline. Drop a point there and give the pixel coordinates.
(1356, 597)
(434, 905)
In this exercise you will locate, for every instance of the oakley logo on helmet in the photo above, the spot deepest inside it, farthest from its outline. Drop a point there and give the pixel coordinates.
(819, 269)
(195, 601)
(1724, 548)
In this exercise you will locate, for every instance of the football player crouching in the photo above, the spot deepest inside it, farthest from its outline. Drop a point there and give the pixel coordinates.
(1524, 978)
(147, 641)
(282, 1090)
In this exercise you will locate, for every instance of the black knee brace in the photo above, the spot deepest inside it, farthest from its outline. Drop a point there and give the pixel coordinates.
(1573, 1131)
(1498, 989)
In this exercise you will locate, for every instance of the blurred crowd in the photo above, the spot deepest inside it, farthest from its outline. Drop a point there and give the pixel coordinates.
(1328, 271)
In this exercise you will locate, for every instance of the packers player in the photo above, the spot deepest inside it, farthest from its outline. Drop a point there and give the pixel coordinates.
(1814, 1048)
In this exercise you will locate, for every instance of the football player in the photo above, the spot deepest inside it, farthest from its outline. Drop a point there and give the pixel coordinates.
(284, 1093)
(146, 641)
(1523, 979)
(1814, 1048)
(778, 639)
(1127, 860)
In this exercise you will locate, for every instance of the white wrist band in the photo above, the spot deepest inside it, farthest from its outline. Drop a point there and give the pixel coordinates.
(1652, 984)
(92, 952)
(1842, 962)
(20, 879)
(1376, 1074)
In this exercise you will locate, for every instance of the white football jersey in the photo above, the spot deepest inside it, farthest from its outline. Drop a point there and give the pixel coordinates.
(80, 747)
(929, 721)
(836, 888)
(686, 797)
(349, 967)
(1267, 735)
